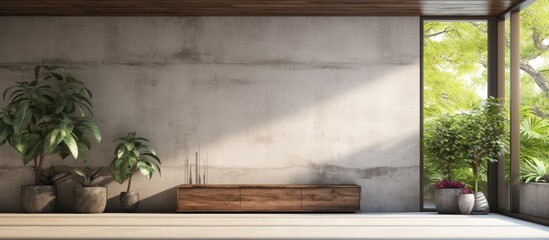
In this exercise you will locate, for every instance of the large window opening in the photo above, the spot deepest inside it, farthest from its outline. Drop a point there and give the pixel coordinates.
(534, 108)
(455, 80)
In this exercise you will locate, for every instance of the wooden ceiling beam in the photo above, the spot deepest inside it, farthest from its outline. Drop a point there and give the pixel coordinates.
(254, 7)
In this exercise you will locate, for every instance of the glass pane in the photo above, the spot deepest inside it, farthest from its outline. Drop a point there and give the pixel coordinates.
(455, 80)
(504, 197)
(534, 94)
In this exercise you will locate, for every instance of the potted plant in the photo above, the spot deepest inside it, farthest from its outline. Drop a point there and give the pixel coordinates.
(132, 155)
(446, 196)
(47, 201)
(91, 196)
(46, 116)
(483, 139)
(444, 153)
(466, 201)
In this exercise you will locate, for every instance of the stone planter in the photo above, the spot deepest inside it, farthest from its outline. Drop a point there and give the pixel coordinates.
(466, 202)
(90, 199)
(546, 178)
(481, 204)
(534, 199)
(38, 198)
(446, 200)
(129, 201)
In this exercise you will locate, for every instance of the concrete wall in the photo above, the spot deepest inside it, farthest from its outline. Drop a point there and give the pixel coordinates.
(270, 99)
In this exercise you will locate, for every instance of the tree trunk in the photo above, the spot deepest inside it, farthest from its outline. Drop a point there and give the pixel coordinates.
(449, 172)
(37, 175)
(130, 179)
(538, 77)
(475, 174)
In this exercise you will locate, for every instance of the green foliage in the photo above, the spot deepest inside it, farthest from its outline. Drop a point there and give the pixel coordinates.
(88, 177)
(484, 135)
(533, 170)
(48, 115)
(474, 137)
(132, 154)
(534, 135)
(454, 65)
(455, 73)
(52, 177)
(534, 26)
(442, 145)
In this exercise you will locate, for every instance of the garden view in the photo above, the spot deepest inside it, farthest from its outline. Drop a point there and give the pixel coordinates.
(456, 105)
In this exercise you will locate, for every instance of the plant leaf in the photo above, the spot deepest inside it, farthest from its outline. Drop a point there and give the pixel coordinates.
(71, 144)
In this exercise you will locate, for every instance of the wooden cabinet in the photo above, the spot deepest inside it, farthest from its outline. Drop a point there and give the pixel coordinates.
(268, 198)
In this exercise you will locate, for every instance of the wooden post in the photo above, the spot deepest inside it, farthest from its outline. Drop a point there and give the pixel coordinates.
(515, 113)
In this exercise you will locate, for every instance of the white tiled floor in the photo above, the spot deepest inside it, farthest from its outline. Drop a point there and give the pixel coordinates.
(267, 226)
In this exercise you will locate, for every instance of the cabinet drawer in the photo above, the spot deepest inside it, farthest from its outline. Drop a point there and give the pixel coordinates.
(208, 199)
(331, 198)
(271, 198)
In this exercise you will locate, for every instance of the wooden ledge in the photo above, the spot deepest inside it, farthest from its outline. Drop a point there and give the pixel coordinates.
(267, 185)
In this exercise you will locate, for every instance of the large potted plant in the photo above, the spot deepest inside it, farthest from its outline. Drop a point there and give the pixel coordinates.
(132, 155)
(444, 152)
(483, 140)
(46, 116)
(90, 196)
(446, 196)
(44, 197)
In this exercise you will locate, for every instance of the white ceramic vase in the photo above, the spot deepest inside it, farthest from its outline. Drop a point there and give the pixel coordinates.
(466, 202)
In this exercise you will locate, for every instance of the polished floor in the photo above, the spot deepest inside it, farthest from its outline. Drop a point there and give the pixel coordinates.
(267, 226)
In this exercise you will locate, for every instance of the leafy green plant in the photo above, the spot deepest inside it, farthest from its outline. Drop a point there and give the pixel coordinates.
(483, 135)
(472, 137)
(132, 154)
(534, 135)
(48, 115)
(533, 170)
(53, 177)
(88, 177)
(443, 153)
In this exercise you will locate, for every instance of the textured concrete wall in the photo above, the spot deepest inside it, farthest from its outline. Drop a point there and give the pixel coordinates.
(271, 99)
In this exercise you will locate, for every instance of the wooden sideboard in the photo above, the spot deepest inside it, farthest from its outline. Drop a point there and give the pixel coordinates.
(268, 198)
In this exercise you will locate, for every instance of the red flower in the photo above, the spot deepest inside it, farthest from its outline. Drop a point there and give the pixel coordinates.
(466, 191)
(449, 184)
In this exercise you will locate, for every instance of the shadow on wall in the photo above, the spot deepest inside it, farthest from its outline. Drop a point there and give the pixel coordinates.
(161, 202)
(383, 186)
(212, 96)
(275, 100)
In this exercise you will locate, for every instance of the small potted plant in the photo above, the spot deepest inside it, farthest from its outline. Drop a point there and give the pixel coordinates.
(466, 201)
(90, 197)
(132, 155)
(446, 196)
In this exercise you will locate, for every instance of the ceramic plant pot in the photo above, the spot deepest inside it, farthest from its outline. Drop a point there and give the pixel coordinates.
(466, 202)
(129, 201)
(446, 200)
(38, 198)
(481, 204)
(90, 199)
